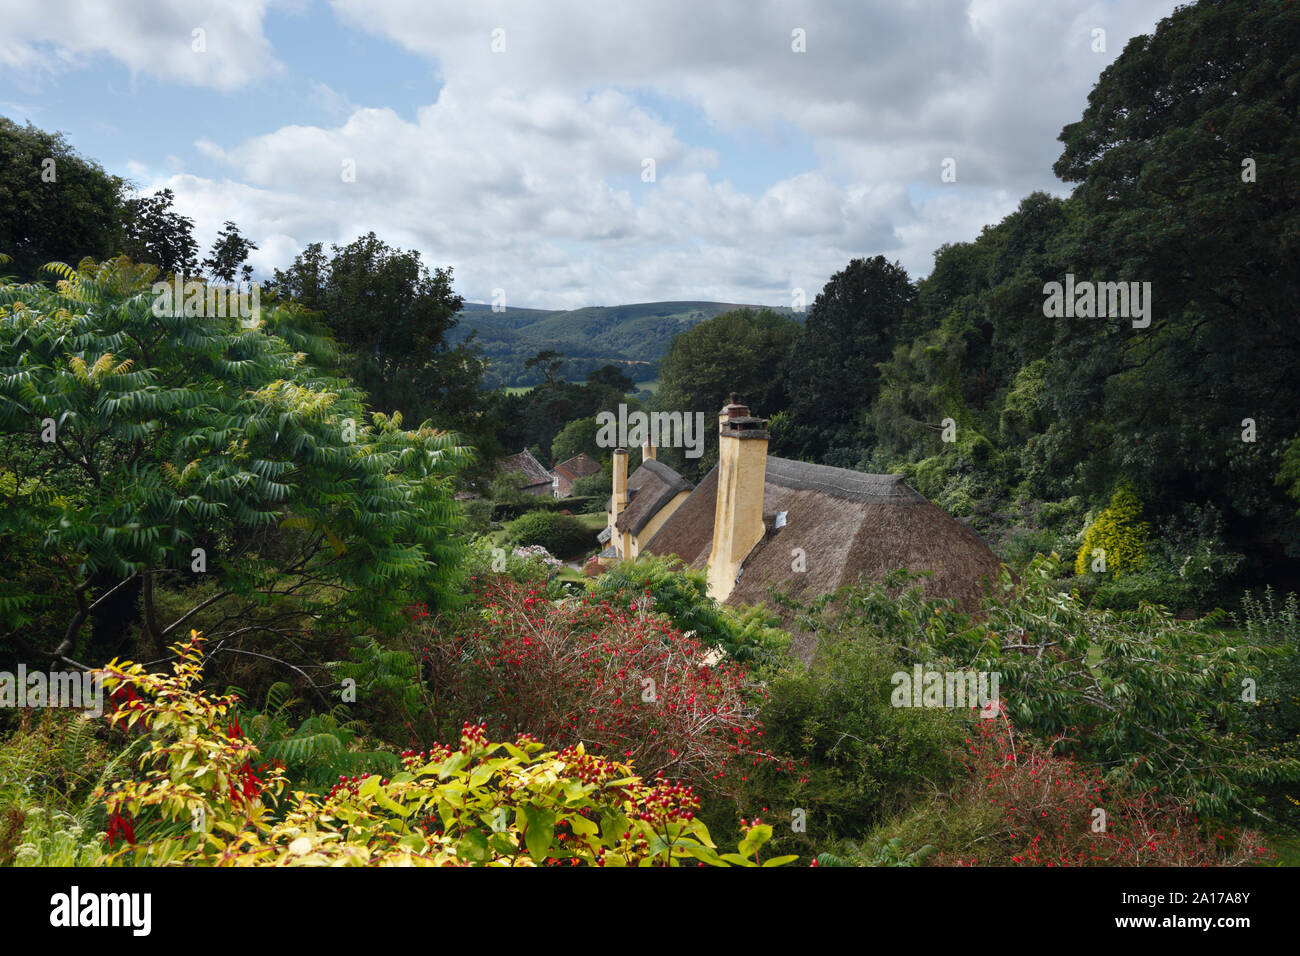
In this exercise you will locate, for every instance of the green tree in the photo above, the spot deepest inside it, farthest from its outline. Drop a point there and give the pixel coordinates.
(919, 388)
(612, 377)
(54, 204)
(832, 372)
(548, 362)
(223, 463)
(1185, 160)
(229, 252)
(577, 438)
(393, 316)
(155, 233)
(742, 351)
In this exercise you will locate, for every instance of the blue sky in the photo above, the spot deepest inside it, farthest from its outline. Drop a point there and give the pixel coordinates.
(521, 167)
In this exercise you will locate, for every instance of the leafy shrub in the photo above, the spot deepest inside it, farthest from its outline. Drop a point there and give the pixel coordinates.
(504, 511)
(887, 853)
(56, 838)
(316, 750)
(596, 488)
(668, 587)
(201, 431)
(508, 488)
(529, 565)
(623, 682)
(1023, 805)
(1026, 528)
(1274, 623)
(535, 552)
(1119, 533)
(857, 758)
(49, 769)
(1141, 694)
(478, 515)
(1187, 566)
(560, 534)
(54, 758)
(387, 694)
(202, 798)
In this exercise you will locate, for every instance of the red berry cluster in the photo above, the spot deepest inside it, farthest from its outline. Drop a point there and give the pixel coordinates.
(622, 682)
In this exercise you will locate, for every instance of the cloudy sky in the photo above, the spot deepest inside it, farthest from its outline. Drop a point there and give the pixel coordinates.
(512, 140)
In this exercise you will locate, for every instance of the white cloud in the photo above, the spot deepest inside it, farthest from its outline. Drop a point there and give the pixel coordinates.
(525, 173)
(156, 39)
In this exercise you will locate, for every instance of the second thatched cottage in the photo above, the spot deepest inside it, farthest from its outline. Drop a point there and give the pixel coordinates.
(757, 523)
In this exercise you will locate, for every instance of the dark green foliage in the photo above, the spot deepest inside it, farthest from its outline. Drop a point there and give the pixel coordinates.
(315, 750)
(862, 758)
(538, 417)
(548, 362)
(562, 535)
(1272, 622)
(595, 488)
(742, 351)
(681, 595)
(1159, 155)
(155, 234)
(393, 316)
(1142, 694)
(229, 253)
(611, 377)
(1187, 565)
(478, 515)
(831, 373)
(384, 682)
(888, 853)
(578, 438)
(504, 510)
(78, 212)
(173, 433)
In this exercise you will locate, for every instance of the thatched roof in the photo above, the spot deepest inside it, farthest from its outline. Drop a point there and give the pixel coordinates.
(848, 524)
(524, 462)
(649, 488)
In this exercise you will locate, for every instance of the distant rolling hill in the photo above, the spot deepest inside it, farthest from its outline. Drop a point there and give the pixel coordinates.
(635, 336)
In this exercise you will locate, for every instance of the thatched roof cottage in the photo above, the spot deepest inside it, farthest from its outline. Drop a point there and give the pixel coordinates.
(640, 503)
(758, 523)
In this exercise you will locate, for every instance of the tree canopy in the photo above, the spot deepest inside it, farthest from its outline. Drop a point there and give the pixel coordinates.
(214, 456)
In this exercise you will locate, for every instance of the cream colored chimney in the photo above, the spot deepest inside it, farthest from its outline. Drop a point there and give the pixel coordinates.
(738, 510)
(618, 502)
(648, 451)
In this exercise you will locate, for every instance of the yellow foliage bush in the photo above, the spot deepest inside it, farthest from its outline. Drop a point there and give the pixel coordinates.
(203, 800)
(1119, 532)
